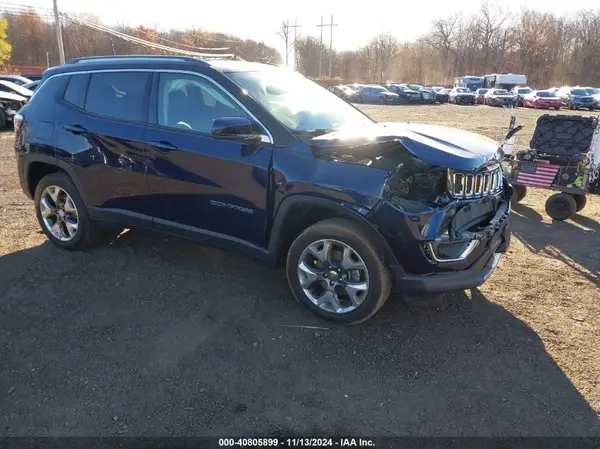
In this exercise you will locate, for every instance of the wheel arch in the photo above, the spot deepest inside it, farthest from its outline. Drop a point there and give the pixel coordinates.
(298, 212)
(40, 165)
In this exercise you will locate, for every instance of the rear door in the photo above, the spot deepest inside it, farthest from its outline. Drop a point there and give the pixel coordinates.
(100, 135)
(198, 184)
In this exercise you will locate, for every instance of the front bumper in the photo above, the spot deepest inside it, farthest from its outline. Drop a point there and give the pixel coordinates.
(464, 100)
(472, 277)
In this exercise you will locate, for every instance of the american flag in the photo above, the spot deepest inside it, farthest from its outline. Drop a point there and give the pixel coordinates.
(537, 174)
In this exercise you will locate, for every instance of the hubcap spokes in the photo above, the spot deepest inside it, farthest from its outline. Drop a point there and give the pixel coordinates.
(333, 276)
(59, 213)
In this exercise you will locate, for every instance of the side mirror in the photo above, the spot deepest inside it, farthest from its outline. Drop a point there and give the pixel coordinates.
(236, 128)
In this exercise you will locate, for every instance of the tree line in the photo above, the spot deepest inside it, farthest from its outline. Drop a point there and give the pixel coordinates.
(548, 48)
(33, 39)
(551, 50)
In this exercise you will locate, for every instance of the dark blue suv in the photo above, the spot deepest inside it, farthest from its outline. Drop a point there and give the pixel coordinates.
(258, 159)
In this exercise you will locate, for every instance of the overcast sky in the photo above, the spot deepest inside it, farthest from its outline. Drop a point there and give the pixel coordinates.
(261, 19)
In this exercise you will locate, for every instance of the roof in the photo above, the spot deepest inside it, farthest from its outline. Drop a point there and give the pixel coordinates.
(155, 62)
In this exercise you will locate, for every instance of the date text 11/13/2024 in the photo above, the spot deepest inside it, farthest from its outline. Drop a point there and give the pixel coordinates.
(296, 442)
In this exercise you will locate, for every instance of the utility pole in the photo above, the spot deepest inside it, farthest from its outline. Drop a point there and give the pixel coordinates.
(321, 48)
(295, 37)
(61, 47)
(330, 43)
(330, 25)
(286, 33)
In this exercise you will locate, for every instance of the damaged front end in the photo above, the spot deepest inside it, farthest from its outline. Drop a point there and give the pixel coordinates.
(444, 208)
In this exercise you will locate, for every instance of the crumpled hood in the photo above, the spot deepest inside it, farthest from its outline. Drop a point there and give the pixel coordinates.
(11, 96)
(437, 145)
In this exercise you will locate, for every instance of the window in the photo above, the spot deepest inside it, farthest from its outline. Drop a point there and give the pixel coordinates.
(118, 95)
(75, 92)
(193, 103)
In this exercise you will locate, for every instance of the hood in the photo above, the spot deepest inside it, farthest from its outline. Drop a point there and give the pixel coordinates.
(11, 96)
(436, 145)
(468, 94)
(392, 94)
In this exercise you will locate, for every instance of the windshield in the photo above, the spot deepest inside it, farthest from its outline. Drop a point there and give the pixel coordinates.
(482, 91)
(10, 86)
(525, 90)
(463, 90)
(298, 103)
(544, 93)
(500, 92)
(415, 87)
(377, 89)
(578, 92)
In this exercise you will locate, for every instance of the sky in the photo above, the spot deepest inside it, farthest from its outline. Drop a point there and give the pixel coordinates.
(261, 19)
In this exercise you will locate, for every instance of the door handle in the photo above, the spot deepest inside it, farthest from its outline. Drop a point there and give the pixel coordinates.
(163, 146)
(75, 129)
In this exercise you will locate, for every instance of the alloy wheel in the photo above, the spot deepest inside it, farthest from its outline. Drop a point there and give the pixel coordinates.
(59, 213)
(333, 276)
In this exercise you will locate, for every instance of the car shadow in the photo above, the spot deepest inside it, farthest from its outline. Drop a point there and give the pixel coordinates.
(152, 335)
(574, 242)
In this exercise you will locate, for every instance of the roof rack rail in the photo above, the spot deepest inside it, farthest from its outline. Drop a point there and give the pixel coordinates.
(109, 57)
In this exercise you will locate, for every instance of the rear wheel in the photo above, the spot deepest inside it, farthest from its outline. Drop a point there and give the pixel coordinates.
(335, 270)
(62, 214)
(519, 192)
(561, 206)
(580, 200)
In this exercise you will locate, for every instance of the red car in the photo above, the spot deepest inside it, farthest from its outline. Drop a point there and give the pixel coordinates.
(479, 93)
(541, 99)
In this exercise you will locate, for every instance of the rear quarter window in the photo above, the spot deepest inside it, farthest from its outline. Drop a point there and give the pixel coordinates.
(75, 91)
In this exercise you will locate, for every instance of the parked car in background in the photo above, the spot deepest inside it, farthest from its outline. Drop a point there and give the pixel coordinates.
(9, 86)
(343, 92)
(480, 96)
(405, 94)
(443, 95)
(19, 80)
(10, 105)
(262, 161)
(376, 94)
(427, 95)
(594, 92)
(499, 97)
(461, 95)
(32, 86)
(576, 98)
(541, 99)
(520, 92)
(32, 77)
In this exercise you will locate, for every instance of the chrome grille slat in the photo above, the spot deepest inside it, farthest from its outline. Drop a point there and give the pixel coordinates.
(464, 185)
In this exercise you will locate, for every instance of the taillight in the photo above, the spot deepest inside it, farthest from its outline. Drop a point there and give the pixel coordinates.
(17, 121)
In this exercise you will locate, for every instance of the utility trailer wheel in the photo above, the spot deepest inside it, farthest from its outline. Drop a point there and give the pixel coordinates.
(561, 206)
(580, 199)
(519, 193)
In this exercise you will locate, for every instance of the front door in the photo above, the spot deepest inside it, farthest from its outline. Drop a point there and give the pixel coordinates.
(198, 183)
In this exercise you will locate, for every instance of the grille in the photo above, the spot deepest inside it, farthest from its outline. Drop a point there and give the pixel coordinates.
(466, 185)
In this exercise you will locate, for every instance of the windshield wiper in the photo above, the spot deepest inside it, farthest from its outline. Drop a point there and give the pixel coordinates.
(312, 132)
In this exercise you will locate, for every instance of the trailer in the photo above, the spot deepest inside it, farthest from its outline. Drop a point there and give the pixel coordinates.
(506, 81)
(563, 156)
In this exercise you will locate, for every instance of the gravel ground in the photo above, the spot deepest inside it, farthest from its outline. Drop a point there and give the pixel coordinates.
(152, 335)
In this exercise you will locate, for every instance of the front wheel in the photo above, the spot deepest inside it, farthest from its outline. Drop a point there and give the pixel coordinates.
(580, 200)
(335, 269)
(519, 192)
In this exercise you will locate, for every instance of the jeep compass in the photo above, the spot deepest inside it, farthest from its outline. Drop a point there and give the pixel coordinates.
(258, 159)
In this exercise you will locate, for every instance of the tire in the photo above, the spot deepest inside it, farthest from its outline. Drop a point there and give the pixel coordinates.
(346, 232)
(580, 200)
(591, 109)
(561, 206)
(87, 233)
(519, 192)
(3, 119)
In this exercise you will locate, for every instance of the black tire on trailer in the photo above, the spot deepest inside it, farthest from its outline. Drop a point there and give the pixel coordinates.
(580, 199)
(519, 193)
(561, 206)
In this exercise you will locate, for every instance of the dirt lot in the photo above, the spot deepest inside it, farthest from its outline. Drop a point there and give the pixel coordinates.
(158, 336)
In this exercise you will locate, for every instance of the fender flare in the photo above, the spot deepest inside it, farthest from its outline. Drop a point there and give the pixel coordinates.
(32, 158)
(340, 209)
